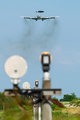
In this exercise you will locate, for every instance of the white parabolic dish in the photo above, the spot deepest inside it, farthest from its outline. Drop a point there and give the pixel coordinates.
(15, 66)
(26, 85)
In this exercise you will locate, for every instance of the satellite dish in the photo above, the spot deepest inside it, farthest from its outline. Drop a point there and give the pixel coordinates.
(15, 66)
(26, 85)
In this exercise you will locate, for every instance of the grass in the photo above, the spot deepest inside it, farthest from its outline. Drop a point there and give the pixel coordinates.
(66, 117)
(61, 114)
(14, 113)
(2, 114)
(65, 103)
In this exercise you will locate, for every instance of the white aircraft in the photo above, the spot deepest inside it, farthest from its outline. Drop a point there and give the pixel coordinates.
(39, 17)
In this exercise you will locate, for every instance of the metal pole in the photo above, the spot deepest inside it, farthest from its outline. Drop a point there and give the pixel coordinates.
(47, 114)
(35, 111)
(39, 111)
(35, 108)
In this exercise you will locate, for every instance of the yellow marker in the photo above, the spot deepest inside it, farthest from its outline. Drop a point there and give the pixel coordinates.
(45, 53)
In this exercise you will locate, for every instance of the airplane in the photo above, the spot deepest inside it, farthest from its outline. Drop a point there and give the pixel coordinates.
(39, 17)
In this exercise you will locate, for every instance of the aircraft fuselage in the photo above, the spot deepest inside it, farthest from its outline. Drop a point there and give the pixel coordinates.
(38, 16)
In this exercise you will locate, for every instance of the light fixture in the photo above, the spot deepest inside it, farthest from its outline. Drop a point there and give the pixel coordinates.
(36, 83)
(26, 85)
(45, 60)
(15, 68)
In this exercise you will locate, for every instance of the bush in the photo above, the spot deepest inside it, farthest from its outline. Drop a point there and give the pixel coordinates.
(55, 107)
(54, 98)
(75, 102)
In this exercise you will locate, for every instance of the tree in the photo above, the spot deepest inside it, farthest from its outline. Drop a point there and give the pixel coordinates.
(73, 95)
(68, 97)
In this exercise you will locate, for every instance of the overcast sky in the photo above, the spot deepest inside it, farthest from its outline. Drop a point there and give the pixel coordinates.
(29, 38)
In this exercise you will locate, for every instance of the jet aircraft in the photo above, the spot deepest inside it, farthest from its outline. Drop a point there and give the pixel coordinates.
(39, 17)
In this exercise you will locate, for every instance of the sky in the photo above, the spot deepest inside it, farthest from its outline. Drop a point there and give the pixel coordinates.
(29, 38)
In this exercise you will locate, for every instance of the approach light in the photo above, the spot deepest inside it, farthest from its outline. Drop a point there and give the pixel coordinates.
(26, 85)
(45, 60)
(36, 83)
(15, 68)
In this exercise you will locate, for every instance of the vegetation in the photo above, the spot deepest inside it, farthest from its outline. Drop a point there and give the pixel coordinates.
(10, 110)
(55, 107)
(15, 108)
(65, 116)
(75, 102)
(67, 97)
(65, 103)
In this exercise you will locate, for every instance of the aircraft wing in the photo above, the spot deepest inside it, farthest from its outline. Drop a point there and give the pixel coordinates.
(53, 17)
(34, 18)
(41, 18)
(25, 17)
(45, 18)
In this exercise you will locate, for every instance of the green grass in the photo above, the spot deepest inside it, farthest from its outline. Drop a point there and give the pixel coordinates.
(65, 103)
(2, 115)
(12, 112)
(56, 115)
(65, 116)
